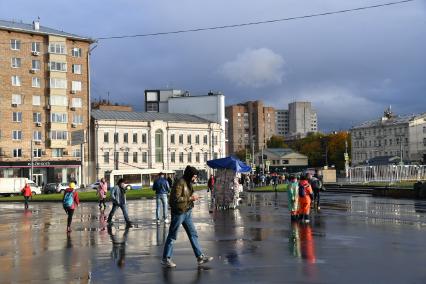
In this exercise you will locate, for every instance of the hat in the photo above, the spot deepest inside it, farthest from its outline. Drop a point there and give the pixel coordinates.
(72, 185)
(189, 173)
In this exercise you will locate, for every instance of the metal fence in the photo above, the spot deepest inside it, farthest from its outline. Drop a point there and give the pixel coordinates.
(387, 173)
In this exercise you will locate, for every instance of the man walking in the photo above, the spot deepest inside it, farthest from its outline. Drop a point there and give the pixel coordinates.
(118, 198)
(316, 185)
(182, 199)
(161, 187)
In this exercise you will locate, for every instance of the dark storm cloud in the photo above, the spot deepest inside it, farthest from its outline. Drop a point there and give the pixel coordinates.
(351, 66)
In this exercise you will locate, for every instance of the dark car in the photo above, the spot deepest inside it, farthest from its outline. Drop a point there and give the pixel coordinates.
(50, 188)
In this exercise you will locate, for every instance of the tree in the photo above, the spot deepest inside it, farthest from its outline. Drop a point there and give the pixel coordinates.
(276, 142)
(241, 154)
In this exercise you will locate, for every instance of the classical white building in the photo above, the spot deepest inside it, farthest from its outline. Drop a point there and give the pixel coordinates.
(402, 136)
(142, 140)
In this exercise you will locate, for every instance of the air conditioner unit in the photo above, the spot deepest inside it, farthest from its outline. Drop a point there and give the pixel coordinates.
(38, 124)
(33, 71)
(14, 105)
(72, 108)
(37, 142)
(65, 153)
(47, 106)
(73, 125)
(36, 53)
(73, 92)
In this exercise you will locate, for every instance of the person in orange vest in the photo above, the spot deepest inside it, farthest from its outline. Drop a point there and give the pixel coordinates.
(26, 192)
(305, 199)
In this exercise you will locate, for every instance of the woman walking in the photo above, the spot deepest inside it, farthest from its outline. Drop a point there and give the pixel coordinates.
(293, 198)
(70, 202)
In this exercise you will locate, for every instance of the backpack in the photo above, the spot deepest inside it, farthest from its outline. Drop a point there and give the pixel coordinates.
(302, 192)
(316, 184)
(68, 199)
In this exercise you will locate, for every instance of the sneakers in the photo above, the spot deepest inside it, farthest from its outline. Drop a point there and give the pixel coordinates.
(204, 259)
(168, 263)
(129, 225)
(166, 221)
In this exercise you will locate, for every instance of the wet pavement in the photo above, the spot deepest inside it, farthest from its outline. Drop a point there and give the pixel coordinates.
(353, 239)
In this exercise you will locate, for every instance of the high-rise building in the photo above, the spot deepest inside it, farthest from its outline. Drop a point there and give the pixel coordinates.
(44, 98)
(296, 122)
(250, 125)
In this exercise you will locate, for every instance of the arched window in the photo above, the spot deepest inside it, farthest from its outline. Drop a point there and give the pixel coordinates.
(159, 146)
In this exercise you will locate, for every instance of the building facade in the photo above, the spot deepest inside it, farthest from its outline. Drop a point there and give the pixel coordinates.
(402, 136)
(281, 160)
(140, 140)
(299, 120)
(250, 126)
(44, 98)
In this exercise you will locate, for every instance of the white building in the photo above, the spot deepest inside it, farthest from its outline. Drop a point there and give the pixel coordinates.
(296, 122)
(402, 136)
(210, 106)
(129, 140)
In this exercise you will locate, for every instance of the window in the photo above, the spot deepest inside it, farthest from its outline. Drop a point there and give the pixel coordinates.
(106, 157)
(36, 100)
(37, 153)
(76, 68)
(15, 62)
(106, 137)
(126, 138)
(151, 107)
(57, 152)
(135, 138)
(172, 139)
(58, 48)
(180, 157)
(76, 86)
(173, 157)
(76, 52)
(159, 146)
(189, 157)
(424, 141)
(77, 119)
(58, 100)
(189, 139)
(144, 157)
(180, 138)
(37, 135)
(16, 134)
(35, 82)
(17, 153)
(116, 137)
(215, 140)
(197, 139)
(35, 64)
(76, 102)
(58, 117)
(215, 155)
(76, 153)
(15, 44)
(58, 135)
(126, 157)
(197, 157)
(58, 66)
(205, 140)
(16, 81)
(135, 157)
(35, 47)
(144, 138)
(58, 83)
(17, 116)
(36, 117)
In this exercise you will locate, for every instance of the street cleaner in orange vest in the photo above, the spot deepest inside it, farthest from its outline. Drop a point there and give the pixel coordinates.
(305, 199)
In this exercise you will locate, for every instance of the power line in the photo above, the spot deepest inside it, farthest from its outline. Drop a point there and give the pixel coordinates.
(255, 23)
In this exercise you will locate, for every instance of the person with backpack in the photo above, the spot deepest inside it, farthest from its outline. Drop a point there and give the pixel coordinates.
(293, 198)
(118, 198)
(305, 198)
(316, 185)
(26, 192)
(70, 201)
(162, 189)
(102, 192)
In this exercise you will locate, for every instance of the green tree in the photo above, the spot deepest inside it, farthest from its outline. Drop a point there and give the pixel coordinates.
(276, 142)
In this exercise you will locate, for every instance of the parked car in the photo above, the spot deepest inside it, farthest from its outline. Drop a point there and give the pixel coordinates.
(94, 185)
(50, 188)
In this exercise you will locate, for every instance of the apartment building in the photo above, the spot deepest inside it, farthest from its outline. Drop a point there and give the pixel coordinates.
(250, 125)
(44, 89)
(297, 121)
(402, 136)
(147, 140)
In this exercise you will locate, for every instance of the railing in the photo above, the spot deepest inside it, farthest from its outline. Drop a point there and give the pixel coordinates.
(387, 173)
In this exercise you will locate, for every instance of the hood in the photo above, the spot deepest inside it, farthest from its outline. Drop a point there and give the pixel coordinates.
(189, 173)
(304, 182)
(69, 189)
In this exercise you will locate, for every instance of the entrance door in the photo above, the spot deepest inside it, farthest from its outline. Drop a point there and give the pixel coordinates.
(38, 179)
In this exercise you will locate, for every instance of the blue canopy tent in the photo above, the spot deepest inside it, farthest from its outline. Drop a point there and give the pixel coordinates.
(229, 163)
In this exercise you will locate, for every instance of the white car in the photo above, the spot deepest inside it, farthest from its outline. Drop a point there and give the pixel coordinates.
(61, 187)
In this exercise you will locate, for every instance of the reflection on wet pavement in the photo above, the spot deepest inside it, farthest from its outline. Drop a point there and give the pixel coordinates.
(365, 239)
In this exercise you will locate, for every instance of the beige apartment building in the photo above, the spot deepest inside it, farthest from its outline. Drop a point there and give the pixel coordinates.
(250, 124)
(44, 89)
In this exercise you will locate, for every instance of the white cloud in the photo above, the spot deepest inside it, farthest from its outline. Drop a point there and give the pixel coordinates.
(255, 68)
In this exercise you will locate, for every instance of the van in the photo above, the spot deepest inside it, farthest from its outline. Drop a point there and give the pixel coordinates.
(12, 186)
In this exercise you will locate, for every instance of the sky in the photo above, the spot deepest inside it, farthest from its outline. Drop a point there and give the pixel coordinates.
(350, 66)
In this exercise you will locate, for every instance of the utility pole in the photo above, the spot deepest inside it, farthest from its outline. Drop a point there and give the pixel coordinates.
(346, 159)
(32, 161)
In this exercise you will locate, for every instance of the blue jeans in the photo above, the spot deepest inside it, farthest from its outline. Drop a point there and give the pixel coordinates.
(123, 208)
(186, 220)
(163, 199)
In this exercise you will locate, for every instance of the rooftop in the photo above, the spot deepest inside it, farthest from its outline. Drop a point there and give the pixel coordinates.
(146, 116)
(29, 28)
(279, 151)
(395, 120)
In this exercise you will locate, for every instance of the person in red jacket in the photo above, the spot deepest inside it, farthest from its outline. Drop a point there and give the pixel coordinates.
(305, 199)
(70, 202)
(26, 192)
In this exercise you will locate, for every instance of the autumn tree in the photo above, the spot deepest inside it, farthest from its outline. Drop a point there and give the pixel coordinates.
(276, 142)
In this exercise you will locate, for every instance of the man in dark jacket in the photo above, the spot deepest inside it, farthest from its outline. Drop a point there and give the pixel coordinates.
(182, 200)
(118, 198)
(161, 187)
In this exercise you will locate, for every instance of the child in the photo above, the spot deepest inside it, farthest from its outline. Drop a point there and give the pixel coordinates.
(293, 198)
(70, 202)
(305, 197)
(26, 191)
